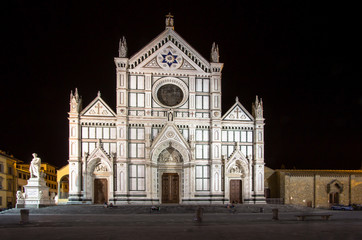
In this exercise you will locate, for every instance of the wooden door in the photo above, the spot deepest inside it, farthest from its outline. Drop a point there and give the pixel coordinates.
(235, 191)
(170, 188)
(100, 191)
(334, 198)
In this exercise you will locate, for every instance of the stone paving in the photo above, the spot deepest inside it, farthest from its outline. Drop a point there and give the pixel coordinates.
(164, 209)
(177, 222)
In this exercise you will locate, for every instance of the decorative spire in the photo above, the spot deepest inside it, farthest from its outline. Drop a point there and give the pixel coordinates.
(236, 99)
(215, 53)
(75, 101)
(76, 94)
(256, 100)
(99, 94)
(122, 51)
(169, 21)
(258, 108)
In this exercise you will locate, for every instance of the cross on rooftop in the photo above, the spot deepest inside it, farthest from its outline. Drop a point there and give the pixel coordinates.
(237, 112)
(99, 106)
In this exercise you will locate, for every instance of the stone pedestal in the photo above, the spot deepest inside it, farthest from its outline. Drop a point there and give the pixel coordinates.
(36, 195)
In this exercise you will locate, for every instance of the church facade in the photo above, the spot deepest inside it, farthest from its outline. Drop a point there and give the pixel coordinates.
(167, 140)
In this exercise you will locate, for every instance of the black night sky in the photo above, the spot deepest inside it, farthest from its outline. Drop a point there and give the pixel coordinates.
(299, 56)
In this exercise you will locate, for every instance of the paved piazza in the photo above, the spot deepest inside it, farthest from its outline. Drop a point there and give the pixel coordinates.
(177, 222)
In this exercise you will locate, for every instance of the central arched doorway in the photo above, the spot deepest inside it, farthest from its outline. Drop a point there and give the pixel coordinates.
(169, 160)
(170, 188)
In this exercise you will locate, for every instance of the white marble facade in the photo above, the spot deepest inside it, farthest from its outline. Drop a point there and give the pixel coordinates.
(168, 122)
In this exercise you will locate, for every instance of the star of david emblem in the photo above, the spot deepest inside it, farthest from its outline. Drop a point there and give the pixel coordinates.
(169, 58)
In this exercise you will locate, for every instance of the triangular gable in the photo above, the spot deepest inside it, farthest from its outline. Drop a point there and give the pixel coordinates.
(159, 62)
(237, 113)
(237, 158)
(98, 108)
(99, 157)
(170, 132)
(98, 152)
(152, 64)
(155, 54)
(169, 57)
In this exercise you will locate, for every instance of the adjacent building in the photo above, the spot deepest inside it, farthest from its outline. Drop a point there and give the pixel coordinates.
(23, 175)
(50, 177)
(168, 140)
(63, 184)
(314, 188)
(8, 180)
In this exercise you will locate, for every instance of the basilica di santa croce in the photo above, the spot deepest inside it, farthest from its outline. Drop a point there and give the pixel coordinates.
(167, 141)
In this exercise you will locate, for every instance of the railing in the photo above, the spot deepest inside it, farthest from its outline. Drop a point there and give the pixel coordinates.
(275, 200)
(63, 195)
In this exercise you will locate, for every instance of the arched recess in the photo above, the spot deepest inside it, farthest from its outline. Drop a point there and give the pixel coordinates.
(334, 190)
(97, 168)
(175, 165)
(238, 168)
(164, 145)
(64, 187)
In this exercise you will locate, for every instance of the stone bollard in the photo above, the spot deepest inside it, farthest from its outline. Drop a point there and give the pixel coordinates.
(24, 215)
(199, 214)
(275, 214)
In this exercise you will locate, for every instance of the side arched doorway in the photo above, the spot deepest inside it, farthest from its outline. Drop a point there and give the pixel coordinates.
(334, 189)
(64, 187)
(100, 190)
(98, 181)
(333, 198)
(236, 191)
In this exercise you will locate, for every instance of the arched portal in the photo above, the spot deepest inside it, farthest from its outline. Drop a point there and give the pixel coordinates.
(169, 158)
(98, 179)
(237, 178)
(100, 190)
(170, 154)
(236, 191)
(64, 187)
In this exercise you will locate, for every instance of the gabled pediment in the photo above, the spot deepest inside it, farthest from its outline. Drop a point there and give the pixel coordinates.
(237, 113)
(237, 163)
(98, 152)
(98, 108)
(168, 51)
(170, 138)
(170, 132)
(98, 160)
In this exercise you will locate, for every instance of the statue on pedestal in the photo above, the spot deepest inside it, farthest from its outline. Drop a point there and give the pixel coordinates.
(35, 166)
(36, 192)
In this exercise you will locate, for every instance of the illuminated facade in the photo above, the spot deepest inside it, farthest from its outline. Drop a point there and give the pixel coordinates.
(314, 188)
(8, 180)
(23, 175)
(63, 184)
(168, 140)
(50, 177)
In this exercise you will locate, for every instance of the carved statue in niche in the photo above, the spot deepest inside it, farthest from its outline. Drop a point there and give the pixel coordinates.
(100, 168)
(237, 168)
(170, 154)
